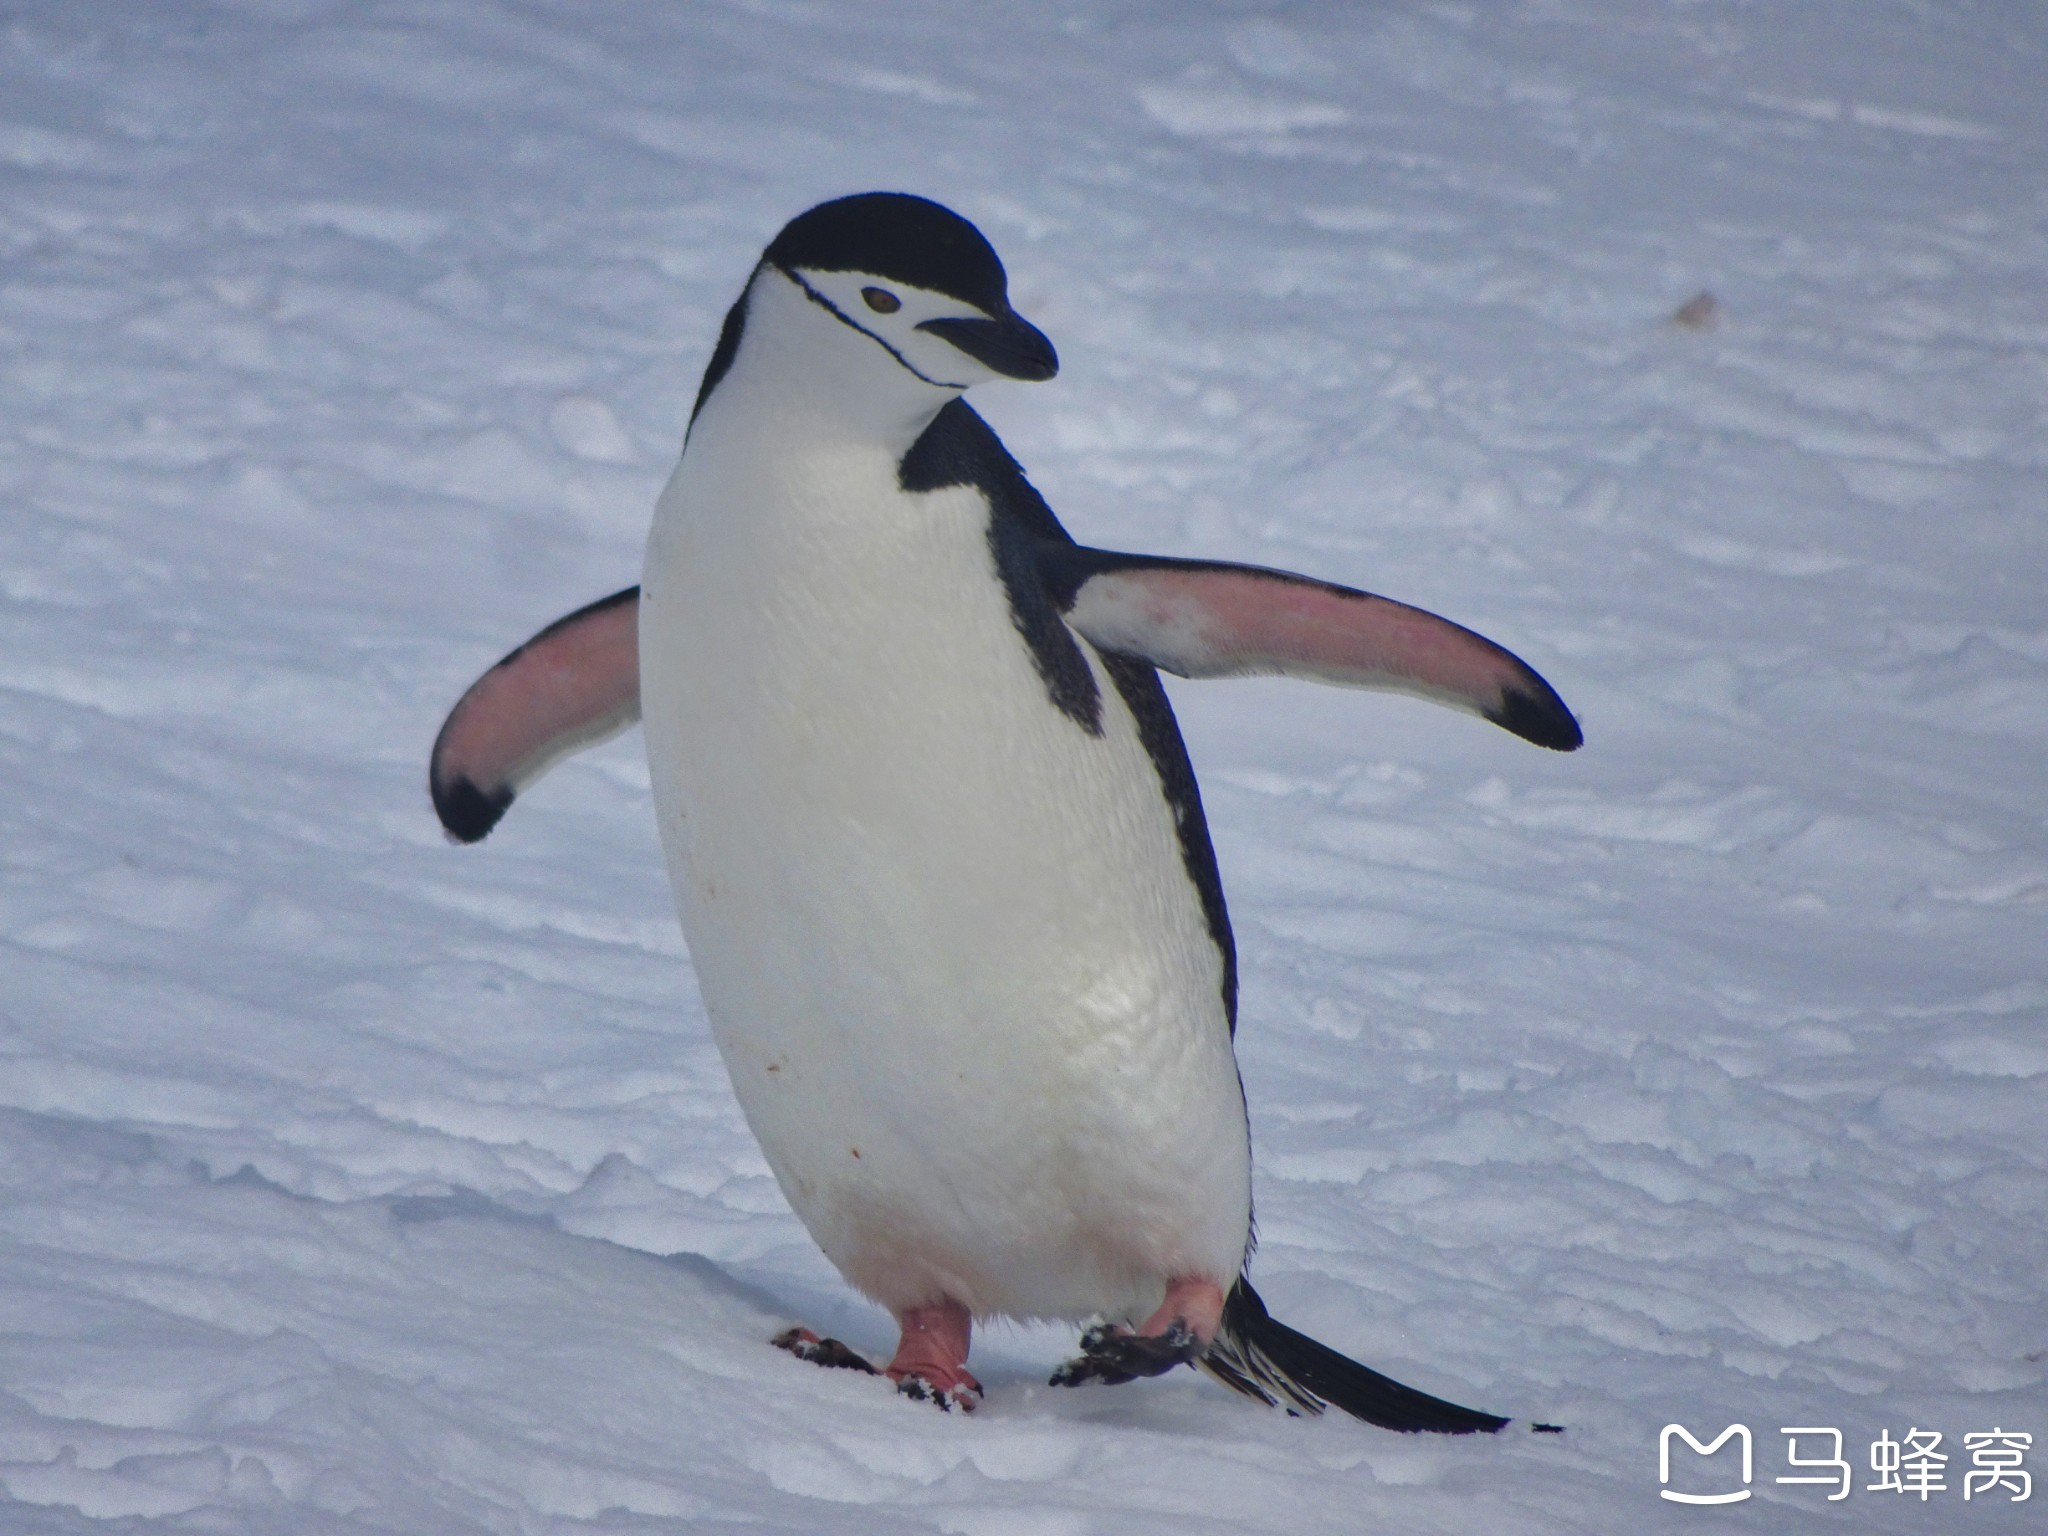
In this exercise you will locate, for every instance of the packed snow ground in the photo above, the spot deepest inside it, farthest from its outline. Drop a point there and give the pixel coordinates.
(355, 1183)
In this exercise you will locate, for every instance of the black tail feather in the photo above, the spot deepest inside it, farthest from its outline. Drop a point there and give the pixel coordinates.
(1266, 1359)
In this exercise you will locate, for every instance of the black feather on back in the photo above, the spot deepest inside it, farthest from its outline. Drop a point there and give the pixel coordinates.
(1143, 694)
(959, 448)
(722, 355)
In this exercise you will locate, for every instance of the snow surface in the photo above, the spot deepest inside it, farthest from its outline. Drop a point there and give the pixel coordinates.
(357, 1183)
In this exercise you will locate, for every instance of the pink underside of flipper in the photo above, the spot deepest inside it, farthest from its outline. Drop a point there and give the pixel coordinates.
(1207, 622)
(568, 683)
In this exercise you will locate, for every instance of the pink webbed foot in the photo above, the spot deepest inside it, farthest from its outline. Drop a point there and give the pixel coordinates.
(1178, 1333)
(931, 1359)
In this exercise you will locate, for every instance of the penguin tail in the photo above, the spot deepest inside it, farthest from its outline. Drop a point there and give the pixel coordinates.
(1261, 1357)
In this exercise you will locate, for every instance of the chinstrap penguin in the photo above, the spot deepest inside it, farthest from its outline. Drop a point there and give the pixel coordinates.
(936, 844)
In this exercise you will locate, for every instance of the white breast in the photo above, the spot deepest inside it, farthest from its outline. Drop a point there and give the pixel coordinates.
(957, 971)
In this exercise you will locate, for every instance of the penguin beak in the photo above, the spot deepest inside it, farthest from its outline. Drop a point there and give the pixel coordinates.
(1009, 344)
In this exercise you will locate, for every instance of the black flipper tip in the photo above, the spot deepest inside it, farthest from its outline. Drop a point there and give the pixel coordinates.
(468, 812)
(1539, 717)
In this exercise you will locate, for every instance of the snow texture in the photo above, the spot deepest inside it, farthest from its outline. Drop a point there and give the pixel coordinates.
(356, 1183)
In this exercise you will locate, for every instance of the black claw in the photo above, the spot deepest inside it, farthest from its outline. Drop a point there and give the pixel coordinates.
(826, 1352)
(1114, 1356)
(918, 1390)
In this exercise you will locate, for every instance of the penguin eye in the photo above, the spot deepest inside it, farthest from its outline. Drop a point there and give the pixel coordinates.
(881, 300)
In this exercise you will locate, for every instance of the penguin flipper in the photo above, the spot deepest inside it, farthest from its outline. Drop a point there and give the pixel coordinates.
(1209, 618)
(1257, 1355)
(574, 684)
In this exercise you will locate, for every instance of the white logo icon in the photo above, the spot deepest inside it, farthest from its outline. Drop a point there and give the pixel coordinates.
(1740, 1431)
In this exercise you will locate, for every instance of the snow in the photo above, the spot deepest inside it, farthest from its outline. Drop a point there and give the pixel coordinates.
(357, 1183)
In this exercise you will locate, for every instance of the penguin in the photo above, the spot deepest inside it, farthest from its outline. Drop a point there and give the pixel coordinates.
(936, 844)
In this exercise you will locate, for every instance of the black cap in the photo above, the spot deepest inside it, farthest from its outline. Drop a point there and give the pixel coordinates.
(892, 234)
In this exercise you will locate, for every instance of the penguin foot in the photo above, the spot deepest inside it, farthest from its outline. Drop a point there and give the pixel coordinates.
(806, 1345)
(962, 1392)
(1177, 1334)
(1113, 1355)
(931, 1358)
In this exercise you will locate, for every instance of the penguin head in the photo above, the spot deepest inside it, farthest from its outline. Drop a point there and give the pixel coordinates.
(877, 310)
(919, 281)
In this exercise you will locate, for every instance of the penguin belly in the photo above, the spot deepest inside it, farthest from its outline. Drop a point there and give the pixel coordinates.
(950, 954)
